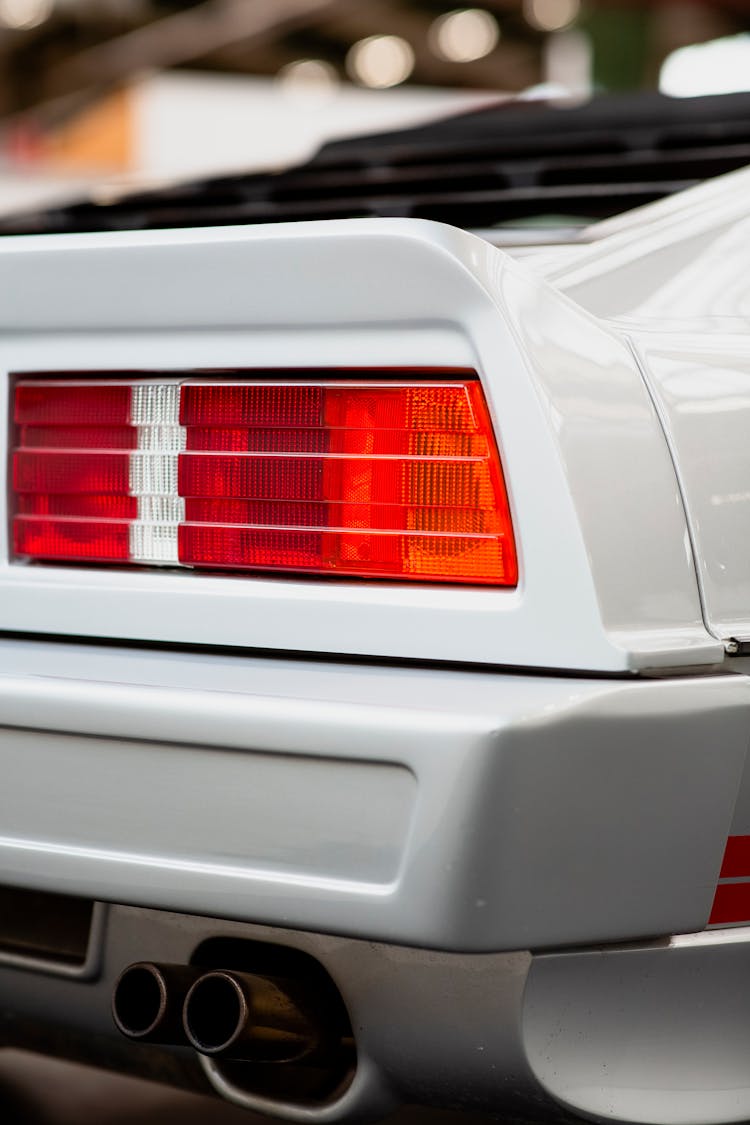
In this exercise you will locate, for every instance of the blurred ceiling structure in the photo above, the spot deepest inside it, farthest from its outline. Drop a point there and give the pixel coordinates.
(61, 50)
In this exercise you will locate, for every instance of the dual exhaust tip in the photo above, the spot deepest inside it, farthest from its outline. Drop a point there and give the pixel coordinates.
(231, 1015)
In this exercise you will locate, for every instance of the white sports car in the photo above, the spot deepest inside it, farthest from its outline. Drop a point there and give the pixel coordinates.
(375, 610)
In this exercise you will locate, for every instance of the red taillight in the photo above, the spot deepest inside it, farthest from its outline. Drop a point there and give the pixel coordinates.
(364, 479)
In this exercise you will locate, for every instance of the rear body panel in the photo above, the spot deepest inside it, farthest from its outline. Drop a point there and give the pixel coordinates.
(701, 382)
(676, 285)
(605, 583)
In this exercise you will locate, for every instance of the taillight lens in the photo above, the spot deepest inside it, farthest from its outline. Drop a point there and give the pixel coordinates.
(397, 480)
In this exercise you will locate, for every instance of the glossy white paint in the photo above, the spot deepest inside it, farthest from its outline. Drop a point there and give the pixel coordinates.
(675, 279)
(702, 383)
(672, 260)
(607, 578)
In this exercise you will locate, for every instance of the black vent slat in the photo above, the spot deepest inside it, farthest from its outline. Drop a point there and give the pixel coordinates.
(507, 162)
(684, 164)
(488, 177)
(696, 135)
(460, 208)
(506, 147)
(639, 165)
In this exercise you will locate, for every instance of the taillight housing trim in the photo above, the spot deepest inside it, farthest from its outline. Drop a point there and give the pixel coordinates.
(357, 474)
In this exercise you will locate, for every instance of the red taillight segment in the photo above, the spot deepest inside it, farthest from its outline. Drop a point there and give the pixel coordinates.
(89, 507)
(389, 480)
(359, 465)
(49, 472)
(78, 437)
(65, 404)
(86, 540)
(294, 406)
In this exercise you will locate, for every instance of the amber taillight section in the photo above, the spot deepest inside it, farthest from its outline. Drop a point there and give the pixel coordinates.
(359, 478)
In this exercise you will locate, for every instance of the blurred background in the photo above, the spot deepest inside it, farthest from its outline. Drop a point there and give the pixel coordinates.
(106, 92)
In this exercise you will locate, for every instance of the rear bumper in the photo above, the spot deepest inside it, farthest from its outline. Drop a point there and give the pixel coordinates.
(416, 831)
(453, 810)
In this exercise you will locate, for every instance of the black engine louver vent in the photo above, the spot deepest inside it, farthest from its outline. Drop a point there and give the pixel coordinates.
(510, 162)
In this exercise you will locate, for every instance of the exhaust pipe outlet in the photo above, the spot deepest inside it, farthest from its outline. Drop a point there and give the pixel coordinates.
(147, 1001)
(246, 1016)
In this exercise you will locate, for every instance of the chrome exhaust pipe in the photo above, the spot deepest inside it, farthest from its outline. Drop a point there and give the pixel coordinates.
(254, 1018)
(147, 1001)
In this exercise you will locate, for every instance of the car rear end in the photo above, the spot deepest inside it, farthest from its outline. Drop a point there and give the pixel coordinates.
(363, 740)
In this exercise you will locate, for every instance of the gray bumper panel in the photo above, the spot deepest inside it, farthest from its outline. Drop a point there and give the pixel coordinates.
(453, 810)
(645, 1034)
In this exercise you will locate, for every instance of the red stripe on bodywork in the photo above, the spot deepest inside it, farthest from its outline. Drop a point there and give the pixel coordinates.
(736, 861)
(731, 904)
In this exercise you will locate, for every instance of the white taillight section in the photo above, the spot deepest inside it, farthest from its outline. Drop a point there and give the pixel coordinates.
(155, 411)
(155, 404)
